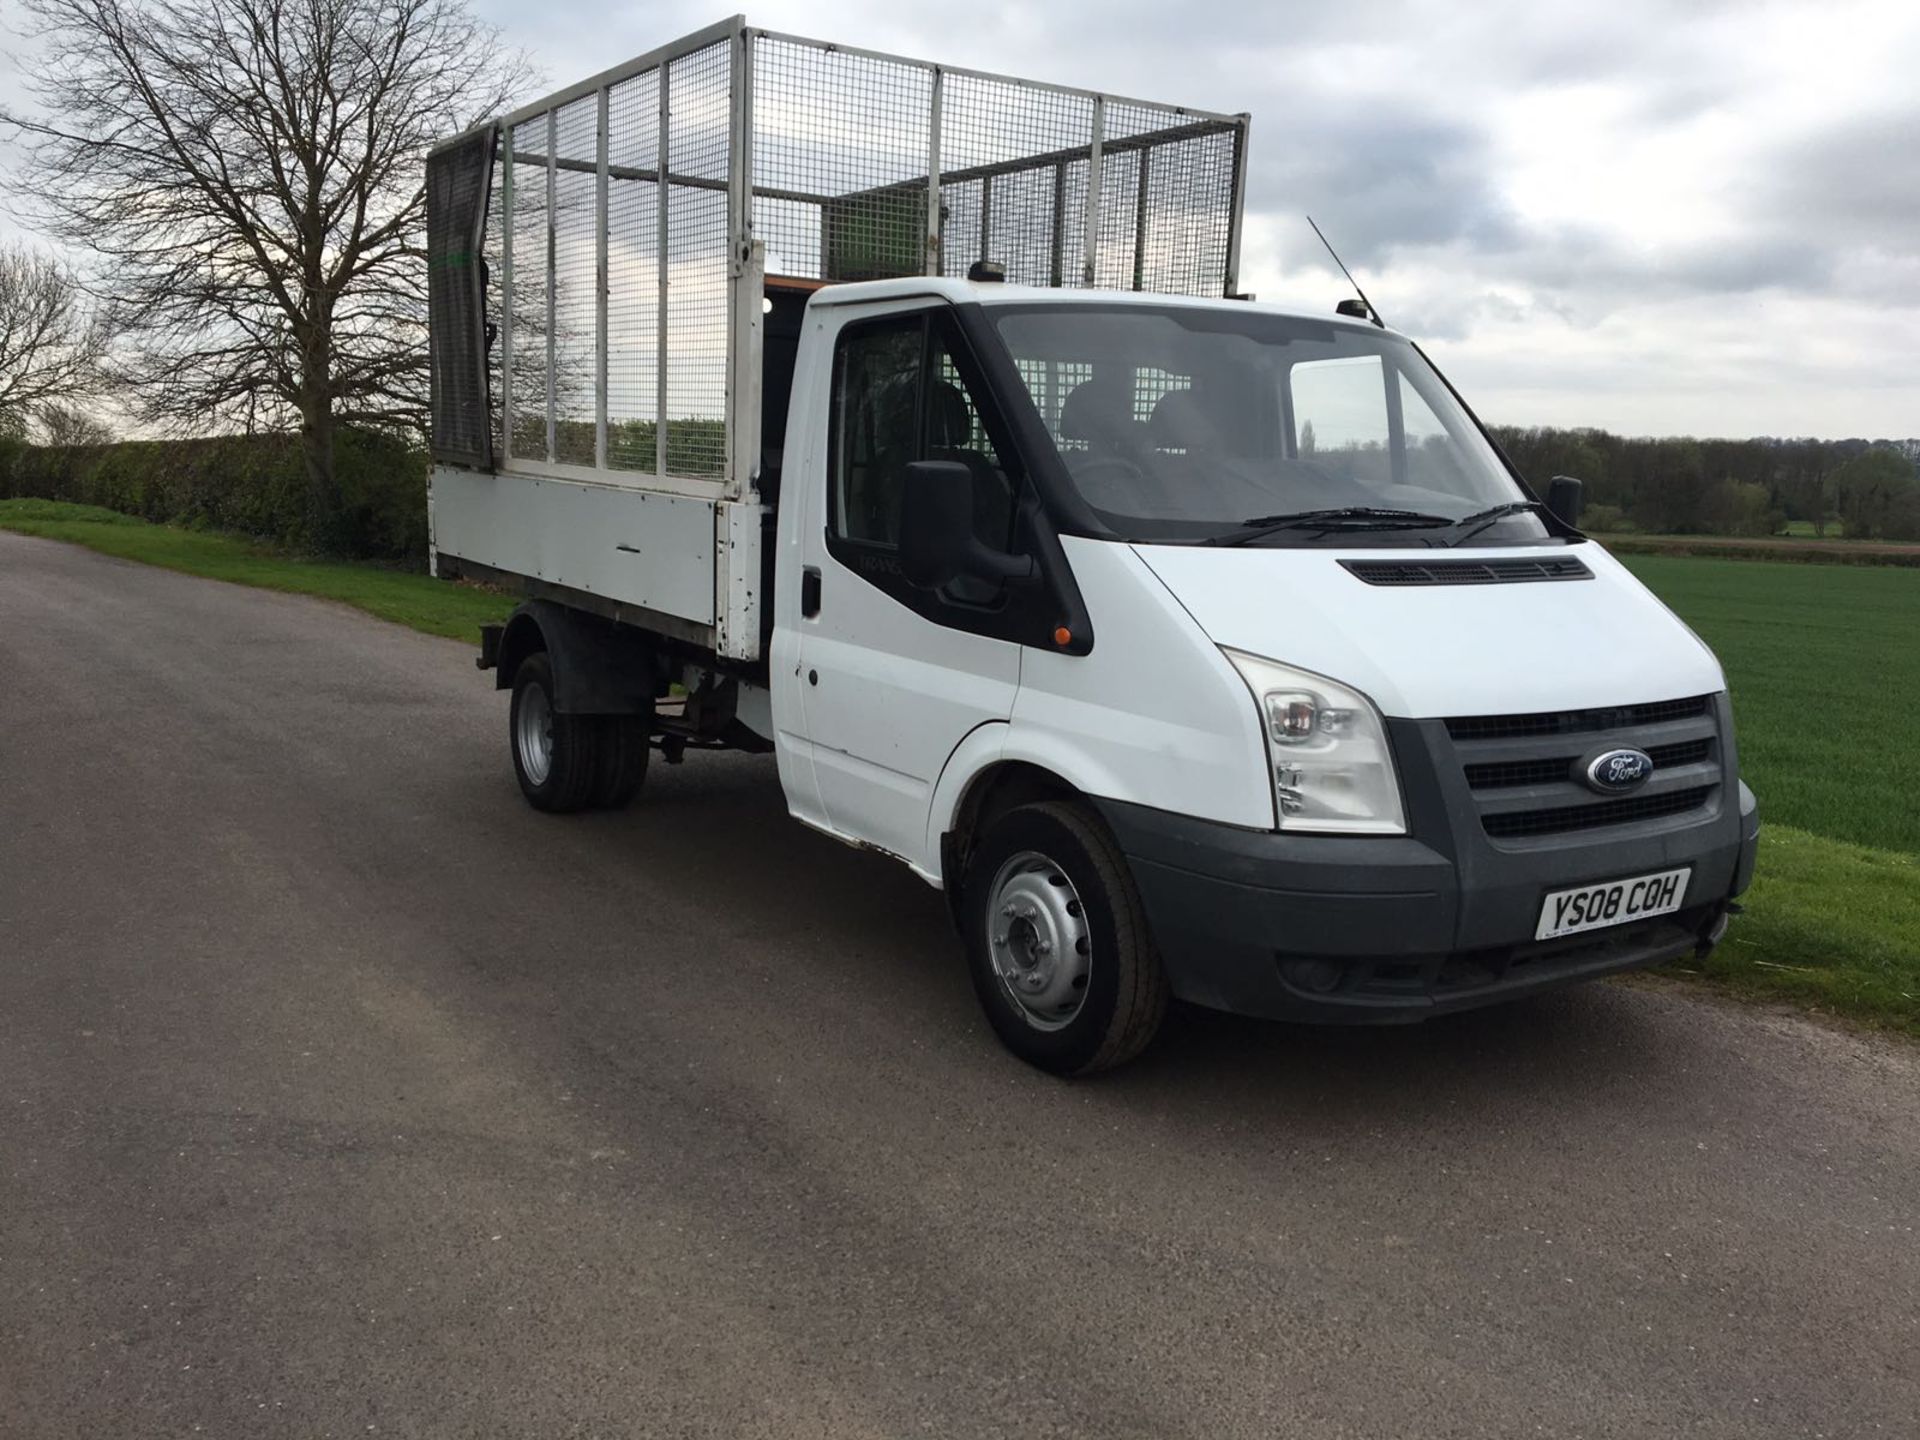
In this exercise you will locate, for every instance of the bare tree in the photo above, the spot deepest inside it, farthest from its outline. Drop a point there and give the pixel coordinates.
(51, 339)
(249, 175)
(71, 425)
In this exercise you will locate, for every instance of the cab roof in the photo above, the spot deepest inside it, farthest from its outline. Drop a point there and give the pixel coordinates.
(993, 292)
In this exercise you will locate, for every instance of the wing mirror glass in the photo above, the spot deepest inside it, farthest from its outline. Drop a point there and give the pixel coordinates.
(937, 543)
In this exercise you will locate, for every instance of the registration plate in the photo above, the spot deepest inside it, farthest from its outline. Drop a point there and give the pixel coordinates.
(1612, 902)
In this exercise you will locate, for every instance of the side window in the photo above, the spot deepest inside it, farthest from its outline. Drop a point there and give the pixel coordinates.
(876, 427)
(899, 396)
(1340, 417)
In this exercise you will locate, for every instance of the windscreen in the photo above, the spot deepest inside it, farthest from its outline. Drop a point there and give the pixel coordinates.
(1186, 424)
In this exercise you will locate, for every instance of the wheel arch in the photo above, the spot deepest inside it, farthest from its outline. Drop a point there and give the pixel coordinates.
(599, 667)
(992, 771)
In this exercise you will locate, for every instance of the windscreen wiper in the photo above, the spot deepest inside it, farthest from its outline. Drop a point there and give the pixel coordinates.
(1345, 517)
(1495, 513)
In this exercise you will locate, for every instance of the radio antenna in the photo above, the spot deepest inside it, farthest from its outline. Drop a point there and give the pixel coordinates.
(1372, 312)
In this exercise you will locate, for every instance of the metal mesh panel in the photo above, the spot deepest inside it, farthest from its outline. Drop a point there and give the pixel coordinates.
(1049, 383)
(1189, 206)
(575, 279)
(633, 271)
(458, 181)
(493, 251)
(840, 150)
(1126, 156)
(698, 100)
(527, 394)
(1014, 158)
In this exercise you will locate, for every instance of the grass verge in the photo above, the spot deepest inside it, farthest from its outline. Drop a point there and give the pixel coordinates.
(1827, 924)
(419, 601)
(1825, 677)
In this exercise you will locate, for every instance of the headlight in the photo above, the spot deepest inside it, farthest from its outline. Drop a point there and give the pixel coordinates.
(1332, 766)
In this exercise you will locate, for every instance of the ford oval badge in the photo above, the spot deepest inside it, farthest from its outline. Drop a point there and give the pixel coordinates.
(1614, 772)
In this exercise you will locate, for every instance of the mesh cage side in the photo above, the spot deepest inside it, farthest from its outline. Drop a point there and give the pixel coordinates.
(526, 381)
(633, 272)
(458, 181)
(1189, 207)
(699, 105)
(575, 279)
(493, 253)
(840, 149)
(1013, 178)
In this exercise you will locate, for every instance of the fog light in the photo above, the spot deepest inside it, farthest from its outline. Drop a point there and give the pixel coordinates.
(1317, 977)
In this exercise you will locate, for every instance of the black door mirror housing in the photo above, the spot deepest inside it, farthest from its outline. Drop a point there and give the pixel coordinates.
(937, 543)
(1563, 498)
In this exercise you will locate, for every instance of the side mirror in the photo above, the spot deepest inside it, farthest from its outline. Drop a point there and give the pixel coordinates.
(937, 543)
(1563, 498)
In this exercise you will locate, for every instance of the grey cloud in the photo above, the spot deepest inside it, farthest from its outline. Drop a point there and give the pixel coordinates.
(1855, 184)
(1379, 183)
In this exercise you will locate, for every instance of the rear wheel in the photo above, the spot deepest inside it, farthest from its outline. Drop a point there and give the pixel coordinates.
(1058, 943)
(556, 757)
(625, 741)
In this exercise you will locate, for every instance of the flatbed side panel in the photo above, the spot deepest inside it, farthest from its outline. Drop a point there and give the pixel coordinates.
(636, 547)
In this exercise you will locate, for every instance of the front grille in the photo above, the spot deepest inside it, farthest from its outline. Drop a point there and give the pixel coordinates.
(1466, 572)
(1574, 722)
(1523, 771)
(1511, 824)
(1507, 774)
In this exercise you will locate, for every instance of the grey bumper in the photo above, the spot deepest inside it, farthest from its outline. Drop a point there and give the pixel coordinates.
(1363, 929)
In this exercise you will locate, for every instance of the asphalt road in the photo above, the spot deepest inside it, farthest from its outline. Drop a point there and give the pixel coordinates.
(340, 1093)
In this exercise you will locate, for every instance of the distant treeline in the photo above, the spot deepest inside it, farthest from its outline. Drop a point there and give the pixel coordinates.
(1862, 489)
(1859, 489)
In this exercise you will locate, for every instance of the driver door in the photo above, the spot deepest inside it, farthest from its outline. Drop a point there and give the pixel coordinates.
(894, 677)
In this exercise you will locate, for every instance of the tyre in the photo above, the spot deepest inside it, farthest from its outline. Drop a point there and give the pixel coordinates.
(1058, 943)
(556, 757)
(624, 745)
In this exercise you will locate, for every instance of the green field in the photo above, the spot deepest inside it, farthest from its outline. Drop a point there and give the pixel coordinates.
(1824, 666)
(1823, 661)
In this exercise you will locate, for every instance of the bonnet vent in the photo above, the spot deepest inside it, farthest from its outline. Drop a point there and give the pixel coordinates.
(1467, 572)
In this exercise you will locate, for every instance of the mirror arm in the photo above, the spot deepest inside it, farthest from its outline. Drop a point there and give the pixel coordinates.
(992, 564)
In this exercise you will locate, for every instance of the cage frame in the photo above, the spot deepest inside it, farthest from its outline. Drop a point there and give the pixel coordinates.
(746, 277)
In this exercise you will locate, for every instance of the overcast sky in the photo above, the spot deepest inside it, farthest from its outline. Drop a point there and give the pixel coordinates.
(1660, 218)
(1656, 217)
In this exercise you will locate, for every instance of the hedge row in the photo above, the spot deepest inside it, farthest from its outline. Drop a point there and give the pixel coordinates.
(1783, 547)
(253, 484)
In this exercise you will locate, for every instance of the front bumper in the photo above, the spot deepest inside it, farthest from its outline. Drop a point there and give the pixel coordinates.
(1371, 930)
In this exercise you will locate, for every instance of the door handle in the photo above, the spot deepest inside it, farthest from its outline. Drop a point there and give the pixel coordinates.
(810, 590)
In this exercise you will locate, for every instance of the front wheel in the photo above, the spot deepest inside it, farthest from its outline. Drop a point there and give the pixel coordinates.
(1058, 943)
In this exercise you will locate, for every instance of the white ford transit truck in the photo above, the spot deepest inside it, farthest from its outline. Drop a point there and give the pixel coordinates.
(905, 422)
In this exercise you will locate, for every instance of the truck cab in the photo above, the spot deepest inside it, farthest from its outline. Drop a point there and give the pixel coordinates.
(1251, 597)
(1197, 649)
